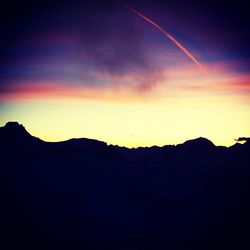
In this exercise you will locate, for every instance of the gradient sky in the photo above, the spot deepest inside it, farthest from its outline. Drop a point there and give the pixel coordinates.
(95, 69)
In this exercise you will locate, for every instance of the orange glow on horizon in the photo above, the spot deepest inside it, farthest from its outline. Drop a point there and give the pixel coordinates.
(183, 106)
(176, 81)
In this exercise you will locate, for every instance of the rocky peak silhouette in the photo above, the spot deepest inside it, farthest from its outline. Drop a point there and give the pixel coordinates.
(14, 128)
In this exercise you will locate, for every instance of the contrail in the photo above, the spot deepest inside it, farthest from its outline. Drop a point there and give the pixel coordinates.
(178, 44)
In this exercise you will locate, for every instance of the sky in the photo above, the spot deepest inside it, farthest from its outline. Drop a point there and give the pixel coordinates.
(98, 69)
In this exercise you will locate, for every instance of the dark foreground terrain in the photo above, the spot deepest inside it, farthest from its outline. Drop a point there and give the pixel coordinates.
(84, 194)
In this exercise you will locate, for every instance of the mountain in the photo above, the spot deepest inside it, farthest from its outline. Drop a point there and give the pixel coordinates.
(15, 133)
(85, 194)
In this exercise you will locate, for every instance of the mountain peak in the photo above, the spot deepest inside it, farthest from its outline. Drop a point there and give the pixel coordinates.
(197, 146)
(200, 141)
(13, 125)
(14, 131)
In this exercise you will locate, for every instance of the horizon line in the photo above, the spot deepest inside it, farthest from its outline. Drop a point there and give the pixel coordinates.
(241, 140)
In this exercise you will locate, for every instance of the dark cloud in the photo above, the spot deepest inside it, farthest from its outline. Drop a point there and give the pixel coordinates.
(111, 39)
(108, 39)
(243, 139)
(114, 44)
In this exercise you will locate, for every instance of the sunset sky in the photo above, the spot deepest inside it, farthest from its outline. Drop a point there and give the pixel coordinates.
(96, 69)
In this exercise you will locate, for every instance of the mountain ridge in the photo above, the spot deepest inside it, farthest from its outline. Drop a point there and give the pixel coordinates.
(13, 129)
(85, 194)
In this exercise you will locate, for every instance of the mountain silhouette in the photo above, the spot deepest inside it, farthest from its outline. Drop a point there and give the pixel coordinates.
(85, 194)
